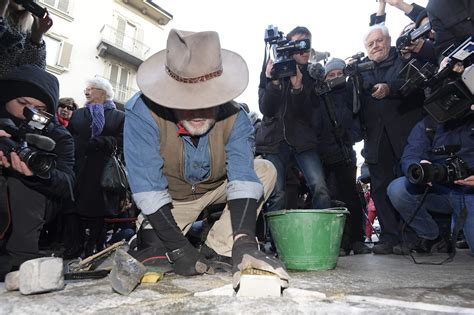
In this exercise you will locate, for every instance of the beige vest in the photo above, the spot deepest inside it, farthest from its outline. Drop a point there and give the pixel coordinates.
(172, 152)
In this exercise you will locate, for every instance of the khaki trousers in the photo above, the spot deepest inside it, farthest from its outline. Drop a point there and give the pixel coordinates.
(220, 237)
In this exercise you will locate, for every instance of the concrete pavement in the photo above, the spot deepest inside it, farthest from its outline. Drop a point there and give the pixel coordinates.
(360, 284)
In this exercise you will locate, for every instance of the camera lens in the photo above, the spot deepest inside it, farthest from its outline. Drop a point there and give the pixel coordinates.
(38, 162)
(424, 173)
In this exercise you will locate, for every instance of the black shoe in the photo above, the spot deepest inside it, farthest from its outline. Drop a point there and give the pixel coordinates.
(382, 249)
(404, 248)
(360, 248)
(426, 246)
(462, 244)
(212, 256)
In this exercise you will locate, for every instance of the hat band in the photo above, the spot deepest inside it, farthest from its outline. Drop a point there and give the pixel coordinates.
(202, 78)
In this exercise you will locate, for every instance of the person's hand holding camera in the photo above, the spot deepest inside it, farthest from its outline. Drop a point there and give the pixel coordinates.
(40, 26)
(268, 72)
(468, 181)
(297, 80)
(15, 161)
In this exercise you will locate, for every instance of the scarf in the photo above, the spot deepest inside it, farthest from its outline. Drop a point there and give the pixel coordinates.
(63, 121)
(98, 118)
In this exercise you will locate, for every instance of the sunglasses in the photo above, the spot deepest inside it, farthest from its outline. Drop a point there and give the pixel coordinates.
(67, 106)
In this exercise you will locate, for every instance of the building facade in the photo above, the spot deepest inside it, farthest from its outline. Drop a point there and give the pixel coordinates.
(108, 38)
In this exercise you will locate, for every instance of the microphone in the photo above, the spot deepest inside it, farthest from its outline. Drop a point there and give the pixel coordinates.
(41, 142)
(317, 72)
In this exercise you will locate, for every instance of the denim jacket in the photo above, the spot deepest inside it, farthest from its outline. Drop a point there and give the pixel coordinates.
(144, 162)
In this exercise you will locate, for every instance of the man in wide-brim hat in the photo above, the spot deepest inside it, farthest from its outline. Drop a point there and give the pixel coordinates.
(188, 146)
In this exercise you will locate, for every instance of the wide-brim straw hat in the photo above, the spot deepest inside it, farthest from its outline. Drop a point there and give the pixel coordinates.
(193, 72)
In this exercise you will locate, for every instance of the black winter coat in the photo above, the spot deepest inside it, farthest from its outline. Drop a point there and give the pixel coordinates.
(333, 142)
(395, 114)
(286, 116)
(91, 156)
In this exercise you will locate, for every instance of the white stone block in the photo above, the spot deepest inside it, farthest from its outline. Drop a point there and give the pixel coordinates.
(12, 281)
(259, 286)
(41, 275)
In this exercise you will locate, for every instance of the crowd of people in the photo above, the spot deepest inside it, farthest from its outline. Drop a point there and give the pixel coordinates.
(189, 147)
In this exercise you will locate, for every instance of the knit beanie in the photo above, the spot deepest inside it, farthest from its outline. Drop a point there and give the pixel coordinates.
(334, 64)
(17, 89)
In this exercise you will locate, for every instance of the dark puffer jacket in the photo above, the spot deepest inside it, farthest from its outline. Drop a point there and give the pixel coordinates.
(395, 114)
(286, 116)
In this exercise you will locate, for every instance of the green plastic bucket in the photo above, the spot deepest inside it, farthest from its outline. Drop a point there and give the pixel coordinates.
(308, 239)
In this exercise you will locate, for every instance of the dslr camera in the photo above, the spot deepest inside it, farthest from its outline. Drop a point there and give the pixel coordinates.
(26, 140)
(449, 94)
(283, 50)
(33, 7)
(454, 168)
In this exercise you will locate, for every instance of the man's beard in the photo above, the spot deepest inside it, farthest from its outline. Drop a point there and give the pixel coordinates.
(199, 130)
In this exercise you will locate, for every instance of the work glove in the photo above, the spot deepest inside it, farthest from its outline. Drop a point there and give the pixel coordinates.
(246, 255)
(188, 261)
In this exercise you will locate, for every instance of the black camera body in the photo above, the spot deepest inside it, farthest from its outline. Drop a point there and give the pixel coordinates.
(356, 67)
(449, 94)
(32, 147)
(325, 87)
(407, 38)
(283, 50)
(33, 7)
(454, 168)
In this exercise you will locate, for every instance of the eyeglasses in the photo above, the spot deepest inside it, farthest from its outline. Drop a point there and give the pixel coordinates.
(90, 88)
(67, 106)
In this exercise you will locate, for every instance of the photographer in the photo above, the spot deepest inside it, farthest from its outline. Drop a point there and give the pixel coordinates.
(444, 195)
(21, 36)
(338, 135)
(387, 119)
(31, 193)
(287, 131)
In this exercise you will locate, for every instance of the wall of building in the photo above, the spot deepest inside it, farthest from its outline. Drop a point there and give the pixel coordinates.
(76, 33)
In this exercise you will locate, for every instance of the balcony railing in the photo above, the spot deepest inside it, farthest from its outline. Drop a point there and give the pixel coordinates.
(121, 45)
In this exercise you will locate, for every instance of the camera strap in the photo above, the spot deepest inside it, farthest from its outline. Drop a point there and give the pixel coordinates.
(338, 129)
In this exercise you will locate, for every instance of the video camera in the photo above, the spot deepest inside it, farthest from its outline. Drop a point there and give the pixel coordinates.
(283, 50)
(407, 38)
(32, 148)
(454, 168)
(358, 66)
(33, 7)
(450, 94)
(351, 70)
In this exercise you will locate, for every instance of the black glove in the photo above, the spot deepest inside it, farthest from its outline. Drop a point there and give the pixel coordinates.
(246, 255)
(188, 261)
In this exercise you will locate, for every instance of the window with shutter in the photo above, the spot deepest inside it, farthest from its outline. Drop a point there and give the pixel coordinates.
(58, 53)
(63, 5)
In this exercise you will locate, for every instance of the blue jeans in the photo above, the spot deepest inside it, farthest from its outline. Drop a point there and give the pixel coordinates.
(310, 164)
(406, 197)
